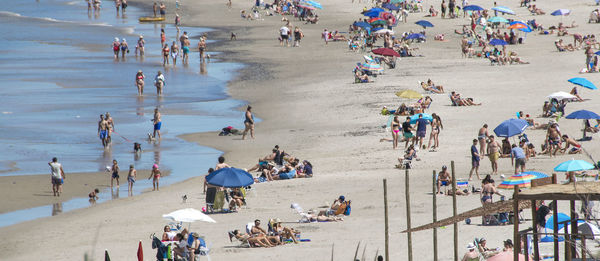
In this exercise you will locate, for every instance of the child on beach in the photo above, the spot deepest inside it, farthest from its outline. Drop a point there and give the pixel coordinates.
(115, 173)
(155, 175)
(131, 178)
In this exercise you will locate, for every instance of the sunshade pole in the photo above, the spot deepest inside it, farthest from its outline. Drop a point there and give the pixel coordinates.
(555, 222)
(574, 231)
(408, 225)
(516, 237)
(387, 235)
(536, 248)
(435, 241)
(454, 211)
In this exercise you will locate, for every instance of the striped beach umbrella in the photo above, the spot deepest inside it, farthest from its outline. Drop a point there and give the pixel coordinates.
(522, 180)
(372, 67)
(538, 175)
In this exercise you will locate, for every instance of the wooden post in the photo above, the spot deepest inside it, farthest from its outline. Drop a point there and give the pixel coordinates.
(555, 223)
(526, 248)
(454, 211)
(536, 248)
(387, 235)
(583, 249)
(408, 225)
(516, 237)
(435, 246)
(572, 245)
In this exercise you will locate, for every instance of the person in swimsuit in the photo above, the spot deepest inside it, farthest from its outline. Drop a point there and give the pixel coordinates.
(297, 36)
(553, 137)
(174, 52)
(248, 123)
(111, 127)
(475, 158)
(124, 48)
(159, 81)
(139, 82)
(157, 123)
(140, 46)
(494, 153)
(395, 131)
(165, 53)
(123, 6)
(155, 176)
(571, 142)
(482, 136)
(407, 132)
(131, 179)
(186, 50)
(444, 179)
(163, 9)
(116, 45)
(57, 176)
(487, 191)
(202, 48)
(155, 8)
(115, 173)
(103, 130)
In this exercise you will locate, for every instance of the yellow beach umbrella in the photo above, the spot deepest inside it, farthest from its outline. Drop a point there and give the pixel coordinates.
(409, 94)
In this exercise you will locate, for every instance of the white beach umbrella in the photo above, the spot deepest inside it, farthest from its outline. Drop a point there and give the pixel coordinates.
(384, 31)
(561, 96)
(188, 215)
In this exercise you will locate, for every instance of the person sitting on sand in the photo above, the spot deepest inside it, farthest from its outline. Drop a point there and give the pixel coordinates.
(574, 93)
(506, 148)
(237, 199)
(444, 179)
(531, 122)
(571, 142)
(360, 76)
(258, 232)
(534, 10)
(484, 250)
(252, 241)
(514, 58)
(181, 250)
(562, 47)
(590, 128)
(94, 195)
(456, 99)
(284, 232)
(305, 170)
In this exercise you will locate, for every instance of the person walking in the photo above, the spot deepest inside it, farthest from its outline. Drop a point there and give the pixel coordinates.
(139, 82)
(57, 176)
(155, 176)
(474, 160)
(159, 82)
(157, 123)
(421, 127)
(517, 158)
(297, 36)
(248, 123)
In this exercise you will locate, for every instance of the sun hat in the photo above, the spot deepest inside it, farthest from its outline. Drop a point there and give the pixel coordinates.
(470, 246)
(277, 220)
(194, 234)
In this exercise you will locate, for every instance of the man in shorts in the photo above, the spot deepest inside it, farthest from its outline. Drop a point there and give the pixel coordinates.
(444, 179)
(284, 32)
(474, 160)
(571, 142)
(157, 123)
(407, 132)
(494, 153)
(103, 130)
(517, 158)
(421, 129)
(57, 175)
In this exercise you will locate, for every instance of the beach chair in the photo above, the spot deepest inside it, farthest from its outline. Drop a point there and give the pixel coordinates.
(243, 242)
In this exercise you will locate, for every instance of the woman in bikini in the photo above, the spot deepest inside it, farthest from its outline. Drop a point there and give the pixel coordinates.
(395, 131)
(488, 190)
(140, 46)
(165, 53)
(139, 82)
(155, 175)
(436, 127)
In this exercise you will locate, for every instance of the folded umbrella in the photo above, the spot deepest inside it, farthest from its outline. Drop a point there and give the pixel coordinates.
(511, 127)
(583, 82)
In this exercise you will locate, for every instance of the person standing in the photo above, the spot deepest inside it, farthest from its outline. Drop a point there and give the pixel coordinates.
(111, 127)
(517, 158)
(474, 160)
(407, 132)
(103, 130)
(155, 176)
(494, 153)
(157, 123)
(443, 8)
(248, 123)
(325, 36)
(116, 45)
(436, 128)
(395, 130)
(165, 53)
(297, 36)
(482, 136)
(139, 82)
(202, 48)
(117, 5)
(589, 55)
(174, 52)
(124, 48)
(140, 46)
(159, 82)
(115, 173)
(421, 129)
(123, 6)
(186, 49)
(284, 33)
(163, 9)
(131, 179)
(57, 175)
(155, 8)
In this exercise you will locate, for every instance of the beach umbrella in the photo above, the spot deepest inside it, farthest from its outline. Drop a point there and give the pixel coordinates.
(230, 178)
(373, 12)
(561, 218)
(409, 94)
(315, 4)
(597, 53)
(415, 36)
(498, 42)
(583, 82)
(537, 175)
(188, 215)
(386, 52)
(375, 19)
(424, 23)
(589, 230)
(307, 7)
(379, 22)
(503, 9)
(368, 59)
(561, 96)
(140, 252)
(363, 25)
(511, 127)
(583, 115)
(372, 67)
(506, 256)
(517, 26)
(574, 165)
(523, 180)
(561, 12)
(391, 7)
(473, 8)
(383, 31)
(106, 256)
(397, 1)
(414, 118)
(498, 19)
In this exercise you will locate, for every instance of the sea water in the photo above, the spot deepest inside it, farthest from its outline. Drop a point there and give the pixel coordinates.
(58, 75)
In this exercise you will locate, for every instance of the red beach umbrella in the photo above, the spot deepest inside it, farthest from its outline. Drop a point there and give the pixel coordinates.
(375, 19)
(140, 252)
(386, 52)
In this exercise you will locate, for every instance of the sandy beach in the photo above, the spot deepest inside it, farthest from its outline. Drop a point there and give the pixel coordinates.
(311, 108)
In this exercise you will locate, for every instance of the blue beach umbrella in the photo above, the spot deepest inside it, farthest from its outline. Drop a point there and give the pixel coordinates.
(498, 42)
(373, 13)
(391, 7)
(473, 8)
(561, 218)
(363, 25)
(503, 9)
(574, 165)
(230, 178)
(583, 115)
(415, 36)
(424, 23)
(561, 12)
(498, 19)
(414, 118)
(511, 127)
(538, 175)
(583, 82)
(315, 4)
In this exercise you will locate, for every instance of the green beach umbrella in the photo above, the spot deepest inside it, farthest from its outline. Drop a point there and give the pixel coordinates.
(498, 19)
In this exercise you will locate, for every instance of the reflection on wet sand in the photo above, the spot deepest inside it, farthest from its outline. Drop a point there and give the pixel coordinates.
(57, 208)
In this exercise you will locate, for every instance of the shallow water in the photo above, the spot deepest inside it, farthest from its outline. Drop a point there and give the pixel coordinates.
(59, 75)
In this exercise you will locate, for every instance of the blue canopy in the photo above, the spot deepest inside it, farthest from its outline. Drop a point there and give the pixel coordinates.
(424, 23)
(574, 165)
(473, 8)
(561, 12)
(391, 7)
(414, 118)
(230, 178)
(415, 36)
(498, 42)
(561, 217)
(583, 82)
(503, 9)
(363, 25)
(511, 127)
(583, 115)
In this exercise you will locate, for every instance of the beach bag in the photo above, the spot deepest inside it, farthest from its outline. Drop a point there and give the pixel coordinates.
(348, 209)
